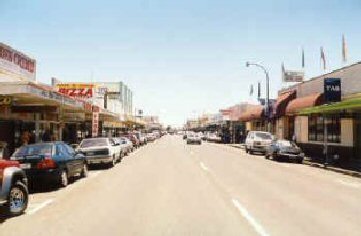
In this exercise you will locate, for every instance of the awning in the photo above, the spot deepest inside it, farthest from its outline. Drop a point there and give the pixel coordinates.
(298, 104)
(252, 114)
(282, 102)
(28, 93)
(347, 104)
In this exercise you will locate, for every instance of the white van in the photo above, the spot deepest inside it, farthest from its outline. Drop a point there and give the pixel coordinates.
(258, 141)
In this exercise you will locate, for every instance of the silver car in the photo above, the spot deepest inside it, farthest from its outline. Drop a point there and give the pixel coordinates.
(101, 150)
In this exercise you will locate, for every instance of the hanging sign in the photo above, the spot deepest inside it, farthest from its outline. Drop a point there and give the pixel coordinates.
(332, 89)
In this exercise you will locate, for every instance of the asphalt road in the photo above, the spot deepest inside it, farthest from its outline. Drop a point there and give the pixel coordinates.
(169, 188)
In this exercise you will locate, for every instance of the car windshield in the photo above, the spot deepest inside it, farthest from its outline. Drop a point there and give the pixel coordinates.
(38, 149)
(97, 142)
(263, 135)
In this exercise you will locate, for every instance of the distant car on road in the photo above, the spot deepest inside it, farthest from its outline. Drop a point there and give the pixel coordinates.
(283, 149)
(100, 150)
(51, 162)
(258, 141)
(14, 194)
(194, 139)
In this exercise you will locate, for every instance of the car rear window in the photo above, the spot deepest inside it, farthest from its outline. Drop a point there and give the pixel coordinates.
(37, 149)
(263, 135)
(94, 142)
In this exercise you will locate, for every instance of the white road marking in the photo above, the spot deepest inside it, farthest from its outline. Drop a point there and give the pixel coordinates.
(40, 206)
(192, 152)
(256, 226)
(203, 166)
(349, 184)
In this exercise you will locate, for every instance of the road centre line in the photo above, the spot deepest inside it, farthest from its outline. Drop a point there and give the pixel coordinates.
(256, 226)
(40, 206)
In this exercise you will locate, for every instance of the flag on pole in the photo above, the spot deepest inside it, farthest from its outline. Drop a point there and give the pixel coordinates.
(323, 58)
(251, 90)
(303, 58)
(283, 71)
(344, 49)
(259, 90)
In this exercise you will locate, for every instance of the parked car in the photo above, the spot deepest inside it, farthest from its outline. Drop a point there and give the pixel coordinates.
(150, 137)
(14, 195)
(51, 162)
(213, 137)
(142, 139)
(282, 149)
(126, 145)
(157, 134)
(100, 151)
(258, 141)
(134, 140)
(194, 139)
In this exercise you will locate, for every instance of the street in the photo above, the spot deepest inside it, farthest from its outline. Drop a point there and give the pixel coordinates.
(170, 188)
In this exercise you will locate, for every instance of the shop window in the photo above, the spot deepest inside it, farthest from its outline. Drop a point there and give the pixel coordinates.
(316, 126)
(333, 129)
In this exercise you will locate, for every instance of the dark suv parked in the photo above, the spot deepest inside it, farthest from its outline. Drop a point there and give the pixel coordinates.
(51, 162)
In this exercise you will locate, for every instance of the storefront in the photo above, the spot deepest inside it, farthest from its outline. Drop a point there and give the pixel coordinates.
(32, 112)
(284, 125)
(254, 119)
(332, 128)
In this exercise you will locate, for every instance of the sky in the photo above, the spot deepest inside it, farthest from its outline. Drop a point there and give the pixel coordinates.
(181, 58)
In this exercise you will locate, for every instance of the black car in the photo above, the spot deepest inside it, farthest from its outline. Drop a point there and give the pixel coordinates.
(51, 162)
(284, 150)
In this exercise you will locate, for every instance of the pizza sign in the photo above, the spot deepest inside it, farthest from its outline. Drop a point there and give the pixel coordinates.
(78, 92)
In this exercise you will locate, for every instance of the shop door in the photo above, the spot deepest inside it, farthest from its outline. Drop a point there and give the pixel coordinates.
(357, 137)
(7, 134)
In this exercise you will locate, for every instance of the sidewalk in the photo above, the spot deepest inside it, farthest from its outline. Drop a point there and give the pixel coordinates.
(315, 164)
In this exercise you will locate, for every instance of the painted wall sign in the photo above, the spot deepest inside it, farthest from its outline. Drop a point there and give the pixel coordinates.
(17, 64)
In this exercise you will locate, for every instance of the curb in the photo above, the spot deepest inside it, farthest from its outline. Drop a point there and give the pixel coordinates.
(317, 165)
(335, 169)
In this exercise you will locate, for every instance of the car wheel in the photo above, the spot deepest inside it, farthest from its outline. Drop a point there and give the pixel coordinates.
(64, 179)
(18, 198)
(85, 171)
(266, 156)
(113, 162)
(247, 150)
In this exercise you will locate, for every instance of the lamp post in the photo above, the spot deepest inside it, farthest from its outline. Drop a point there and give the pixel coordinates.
(267, 90)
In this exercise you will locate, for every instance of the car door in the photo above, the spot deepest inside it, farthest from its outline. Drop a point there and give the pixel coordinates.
(117, 147)
(69, 160)
(61, 158)
(249, 139)
(76, 160)
(112, 147)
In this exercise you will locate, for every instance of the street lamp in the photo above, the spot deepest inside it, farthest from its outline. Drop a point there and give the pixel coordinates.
(267, 90)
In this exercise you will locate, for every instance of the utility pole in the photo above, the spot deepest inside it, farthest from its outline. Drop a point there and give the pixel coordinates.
(267, 92)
